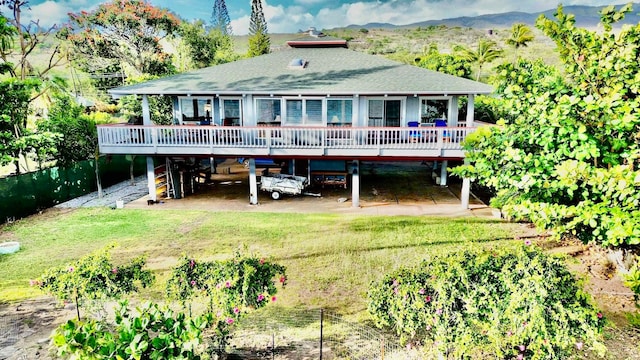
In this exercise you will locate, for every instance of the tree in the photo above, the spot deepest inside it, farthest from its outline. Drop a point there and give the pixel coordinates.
(520, 36)
(78, 140)
(259, 42)
(220, 18)
(16, 139)
(432, 59)
(122, 34)
(30, 36)
(569, 159)
(486, 52)
(206, 47)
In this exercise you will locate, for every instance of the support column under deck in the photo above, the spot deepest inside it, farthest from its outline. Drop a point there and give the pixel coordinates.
(151, 179)
(253, 183)
(443, 173)
(355, 184)
(151, 175)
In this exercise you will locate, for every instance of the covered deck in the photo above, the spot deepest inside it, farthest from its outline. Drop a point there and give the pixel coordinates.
(265, 141)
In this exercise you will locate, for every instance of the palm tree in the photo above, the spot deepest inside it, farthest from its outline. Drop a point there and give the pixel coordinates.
(487, 52)
(520, 35)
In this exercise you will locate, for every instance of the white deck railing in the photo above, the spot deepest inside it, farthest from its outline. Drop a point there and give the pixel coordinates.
(208, 139)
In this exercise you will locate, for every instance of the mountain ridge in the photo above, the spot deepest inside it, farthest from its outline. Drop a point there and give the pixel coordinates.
(586, 16)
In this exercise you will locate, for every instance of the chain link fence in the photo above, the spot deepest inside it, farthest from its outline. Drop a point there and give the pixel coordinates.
(313, 334)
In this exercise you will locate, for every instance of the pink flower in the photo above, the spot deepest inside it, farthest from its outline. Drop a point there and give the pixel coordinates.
(282, 279)
(395, 291)
(527, 242)
(520, 357)
(33, 282)
(260, 297)
(71, 269)
(599, 315)
(261, 261)
(428, 327)
(579, 345)
(439, 312)
(192, 263)
(193, 283)
(228, 284)
(395, 282)
(229, 321)
(427, 298)
(522, 348)
(114, 270)
(236, 310)
(218, 286)
(273, 298)
(509, 333)
(219, 314)
(421, 291)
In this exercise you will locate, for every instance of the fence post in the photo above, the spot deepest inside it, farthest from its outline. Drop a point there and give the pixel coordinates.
(321, 330)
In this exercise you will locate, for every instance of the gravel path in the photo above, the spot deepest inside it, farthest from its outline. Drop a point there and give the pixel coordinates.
(122, 191)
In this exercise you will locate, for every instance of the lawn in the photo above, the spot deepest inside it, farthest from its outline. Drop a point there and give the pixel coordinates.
(331, 259)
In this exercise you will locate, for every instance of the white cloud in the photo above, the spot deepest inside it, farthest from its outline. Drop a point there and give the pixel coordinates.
(49, 13)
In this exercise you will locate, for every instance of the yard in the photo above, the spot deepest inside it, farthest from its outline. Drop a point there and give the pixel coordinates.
(331, 256)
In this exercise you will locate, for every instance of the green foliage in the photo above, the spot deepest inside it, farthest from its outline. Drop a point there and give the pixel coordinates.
(95, 277)
(259, 41)
(79, 137)
(567, 154)
(121, 35)
(152, 332)
(489, 304)
(486, 52)
(16, 140)
(445, 63)
(206, 47)
(220, 18)
(520, 36)
(160, 107)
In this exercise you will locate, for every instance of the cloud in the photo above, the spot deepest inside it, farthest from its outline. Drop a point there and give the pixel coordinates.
(49, 13)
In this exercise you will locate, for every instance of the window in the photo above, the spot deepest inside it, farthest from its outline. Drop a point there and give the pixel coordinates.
(195, 110)
(304, 111)
(433, 108)
(268, 111)
(385, 112)
(339, 112)
(231, 111)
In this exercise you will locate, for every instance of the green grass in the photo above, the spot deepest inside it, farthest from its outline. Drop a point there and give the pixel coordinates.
(331, 259)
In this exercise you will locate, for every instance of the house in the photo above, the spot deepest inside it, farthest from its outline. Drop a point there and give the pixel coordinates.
(315, 101)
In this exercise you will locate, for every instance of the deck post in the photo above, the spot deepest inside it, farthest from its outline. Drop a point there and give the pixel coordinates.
(466, 190)
(151, 175)
(355, 183)
(470, 110)
(253, 183)
(151, 179)
(443, 173)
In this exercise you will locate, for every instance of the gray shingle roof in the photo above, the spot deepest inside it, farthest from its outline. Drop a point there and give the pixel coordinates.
(334, 71)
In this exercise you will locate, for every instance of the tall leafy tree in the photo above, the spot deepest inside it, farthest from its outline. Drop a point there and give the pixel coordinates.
(520, 36)
(569, 157)
(124, 34)
(206, 47)
(486, 52)
(220, 18)
(259, 41)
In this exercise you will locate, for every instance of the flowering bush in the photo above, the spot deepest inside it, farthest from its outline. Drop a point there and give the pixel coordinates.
(501, 304)
(231, 288)
(94, 277)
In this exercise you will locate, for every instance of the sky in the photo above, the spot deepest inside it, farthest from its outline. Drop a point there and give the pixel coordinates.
(289, 16)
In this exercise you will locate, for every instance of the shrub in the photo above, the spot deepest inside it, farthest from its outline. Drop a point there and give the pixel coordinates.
(506, 304)
(95, 277)
(152, 332)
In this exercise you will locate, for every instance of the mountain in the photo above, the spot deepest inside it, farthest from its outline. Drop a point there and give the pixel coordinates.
(586, 16)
